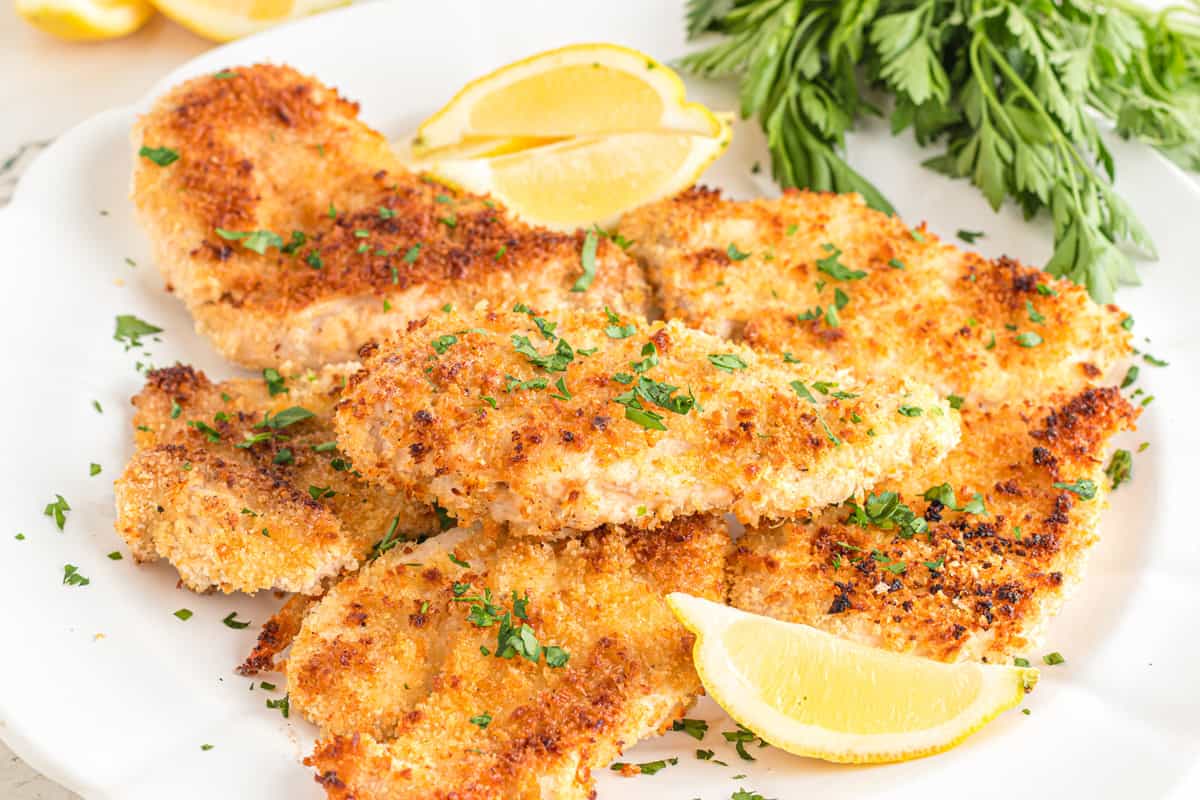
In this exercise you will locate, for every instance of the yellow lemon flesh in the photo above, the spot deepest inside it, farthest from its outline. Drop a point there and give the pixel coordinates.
(85, 20)
(223, 20)
(813, 694)
(580, 90)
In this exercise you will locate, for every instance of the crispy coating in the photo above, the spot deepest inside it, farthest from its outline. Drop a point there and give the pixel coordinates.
(977, 586)
(270, 149)
(403, 620)
(246, 518)
(441, 409)
(277, 633)
(922, 308)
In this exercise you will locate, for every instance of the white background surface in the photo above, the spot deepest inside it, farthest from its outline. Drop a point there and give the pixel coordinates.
(59, 84)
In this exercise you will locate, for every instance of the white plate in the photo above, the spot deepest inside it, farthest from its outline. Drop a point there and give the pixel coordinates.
(125, 715)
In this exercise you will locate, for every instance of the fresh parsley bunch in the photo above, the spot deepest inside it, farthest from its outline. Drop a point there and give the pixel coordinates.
(1011, 89)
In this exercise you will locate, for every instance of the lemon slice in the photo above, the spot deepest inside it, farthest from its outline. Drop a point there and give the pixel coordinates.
(582, 181)
(813, 694)
(86, 20)
(580, 90)
(222, 20)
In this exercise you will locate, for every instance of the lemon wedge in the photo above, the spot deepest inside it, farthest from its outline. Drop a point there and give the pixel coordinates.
(580, 90)
(223, 20)
(85, 20)
(813, 694)
(581, 181)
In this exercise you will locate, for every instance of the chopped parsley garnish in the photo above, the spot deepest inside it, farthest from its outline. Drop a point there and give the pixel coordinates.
(799, 388)
(206, 747)
(826, 388)
(587, 259)
(835, 269)
(224, 74)
(384, 212)
(313, 259)
(557, 361)
(482, 720)
(910, 411)
(650, 360)
(456, 560)
(71, 576)
(231, 621)
(886, 512)
(563, 393)
(744, 794)
(946, 495)
(1053, 659)
(257, 241)
(184, 614)
(115, 555)
(1084, 488)
(96, 405)
(389, 540)
(1120, 468)
(556, 656)
(935, 566)
(614, 237)
(735, 254)
(1154, 362)
(289, 416)
(210, 433)
(93, 469)
(1034, 316)
(707, 755)
(1130, 376)
(647, 768)
(130, 329)
(696, 728)
(162, 156)
(443, 343)
(727, 362)
(954, 401)
(615, 329)
(274, 381)
(298, 240)
(1028, 339)
(282, 705)
(895, 263)
(740, 738)
(1020, 662)
(318, 492)
(512, 384)
(970, 237)
(58, 510)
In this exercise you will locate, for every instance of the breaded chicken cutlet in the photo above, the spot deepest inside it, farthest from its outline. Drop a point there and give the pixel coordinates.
(1007, 520)
(836, 283)
(293, 234)
(573, 419)
(827, 279)
(499, 668)
(240, 486)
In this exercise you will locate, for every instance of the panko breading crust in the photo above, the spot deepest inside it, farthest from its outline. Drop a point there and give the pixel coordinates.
(270, 149)
(438, 412)
(404, 620)
(245, 518)
(921, 308)
(977, 586)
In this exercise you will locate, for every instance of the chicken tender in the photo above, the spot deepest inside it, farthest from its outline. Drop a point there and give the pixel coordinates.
(240, 486)
(566, 421)
(1006, 522)
(496, 667)
(838, 284)
(292, 233)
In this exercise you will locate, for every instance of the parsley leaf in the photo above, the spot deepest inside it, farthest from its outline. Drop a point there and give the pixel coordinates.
(587, 259)
(57, 511)
(162, 156)
(727, 362)
(1084, 488)
(130, 329)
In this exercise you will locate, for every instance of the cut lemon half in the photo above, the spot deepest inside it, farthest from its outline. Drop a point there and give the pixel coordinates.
(86, 20)
(813, 694)
(580, 90)
(583, 181)
(223, 20)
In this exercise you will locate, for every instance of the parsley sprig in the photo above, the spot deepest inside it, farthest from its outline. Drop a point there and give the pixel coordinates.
(1008, 88)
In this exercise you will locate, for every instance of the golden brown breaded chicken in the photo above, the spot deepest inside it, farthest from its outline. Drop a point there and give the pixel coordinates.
(240, 493)
(292, 233)
(839, 284)
(501, 668)
(981, 582)
(573, 419)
